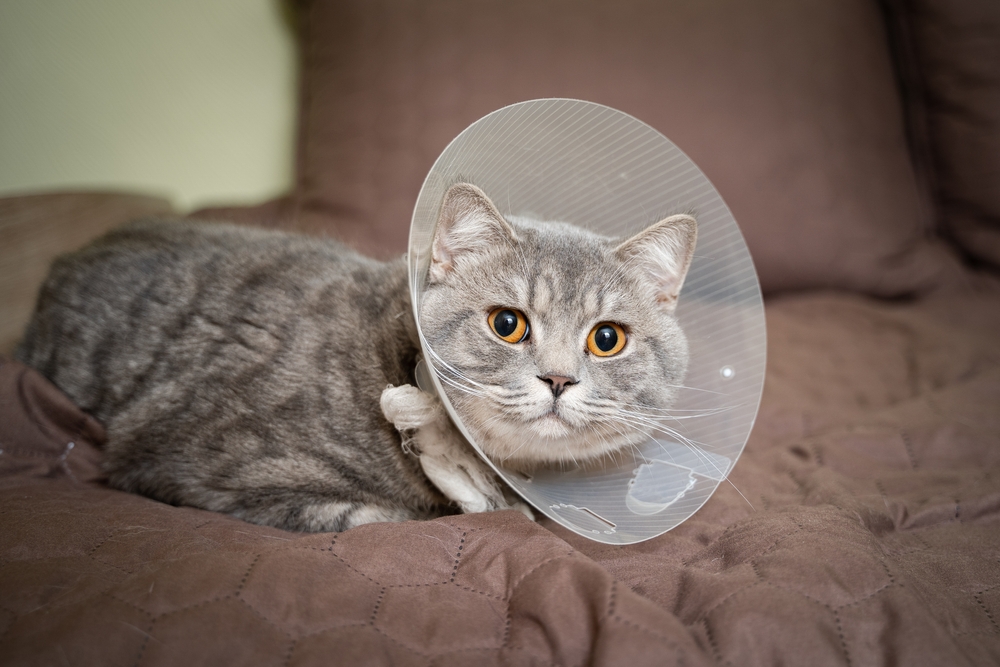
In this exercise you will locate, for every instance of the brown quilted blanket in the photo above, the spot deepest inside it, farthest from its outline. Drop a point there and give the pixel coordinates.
(870, 535)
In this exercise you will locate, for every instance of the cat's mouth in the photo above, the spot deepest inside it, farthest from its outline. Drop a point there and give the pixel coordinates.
(551, 424)
(553, 434)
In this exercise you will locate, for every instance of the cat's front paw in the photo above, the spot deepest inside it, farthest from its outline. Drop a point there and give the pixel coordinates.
(524, 508)
(407, 407)
(447, 460)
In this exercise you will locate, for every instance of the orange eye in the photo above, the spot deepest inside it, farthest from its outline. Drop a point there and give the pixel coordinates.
(509, 324)
(606, 339)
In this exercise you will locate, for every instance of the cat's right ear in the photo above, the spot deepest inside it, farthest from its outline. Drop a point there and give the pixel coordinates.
(469, 224)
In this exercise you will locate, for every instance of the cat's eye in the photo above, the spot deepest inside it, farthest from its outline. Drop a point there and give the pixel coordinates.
(606, 339)
(509, 324)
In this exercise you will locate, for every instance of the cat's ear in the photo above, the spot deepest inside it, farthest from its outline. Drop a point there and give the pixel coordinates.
(663, 252)
(469, 223)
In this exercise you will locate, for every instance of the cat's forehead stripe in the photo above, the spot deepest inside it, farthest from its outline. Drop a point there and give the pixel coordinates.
(540, 297)
(593, 300)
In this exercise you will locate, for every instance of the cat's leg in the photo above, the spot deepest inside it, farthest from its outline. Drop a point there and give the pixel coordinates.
(336, 516)
(312, 516)
(447, 460)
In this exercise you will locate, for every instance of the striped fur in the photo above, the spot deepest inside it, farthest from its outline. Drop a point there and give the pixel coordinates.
(238, 370)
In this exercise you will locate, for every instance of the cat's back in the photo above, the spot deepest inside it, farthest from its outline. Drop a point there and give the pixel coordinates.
(237, 370)
(170, 297)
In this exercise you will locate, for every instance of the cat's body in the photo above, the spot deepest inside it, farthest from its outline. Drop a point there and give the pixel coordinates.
(238, 370)
(269, 376)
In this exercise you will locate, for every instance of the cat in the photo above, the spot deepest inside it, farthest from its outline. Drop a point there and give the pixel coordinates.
(271, 376)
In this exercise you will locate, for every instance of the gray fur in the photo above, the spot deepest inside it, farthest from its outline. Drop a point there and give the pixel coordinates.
(566, 280)
(240, 370)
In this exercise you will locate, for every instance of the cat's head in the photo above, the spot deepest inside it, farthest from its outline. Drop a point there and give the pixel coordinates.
(555, 344)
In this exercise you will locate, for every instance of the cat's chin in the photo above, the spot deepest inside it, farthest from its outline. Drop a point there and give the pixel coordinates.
(550, 427)
(550, 440)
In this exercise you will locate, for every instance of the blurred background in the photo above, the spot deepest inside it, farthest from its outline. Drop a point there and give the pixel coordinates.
(192, 100)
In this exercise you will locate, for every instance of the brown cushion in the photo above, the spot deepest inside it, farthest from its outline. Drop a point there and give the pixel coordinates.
(790, 108)
(114, 578)
(951, 52)
(873, 474)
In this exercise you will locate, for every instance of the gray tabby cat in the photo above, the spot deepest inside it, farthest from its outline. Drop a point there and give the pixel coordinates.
(270, 376)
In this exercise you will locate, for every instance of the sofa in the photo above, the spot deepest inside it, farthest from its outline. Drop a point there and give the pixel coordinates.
(857, 143)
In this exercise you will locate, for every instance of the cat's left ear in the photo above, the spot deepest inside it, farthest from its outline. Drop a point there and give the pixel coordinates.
(469, 223)
(663, 252)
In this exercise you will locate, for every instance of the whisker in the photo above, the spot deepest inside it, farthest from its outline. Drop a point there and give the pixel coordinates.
(693, 446)
(442, 365)
(741, 493)
(697, 411)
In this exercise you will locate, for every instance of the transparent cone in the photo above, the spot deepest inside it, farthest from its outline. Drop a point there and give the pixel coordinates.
(601, 169)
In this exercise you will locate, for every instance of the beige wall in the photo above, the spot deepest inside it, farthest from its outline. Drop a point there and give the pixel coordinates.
(191, 99)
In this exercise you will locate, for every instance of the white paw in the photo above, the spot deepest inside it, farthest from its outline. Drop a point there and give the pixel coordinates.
(456, 484)
(524, 508)
(407, 407)
(448, 461)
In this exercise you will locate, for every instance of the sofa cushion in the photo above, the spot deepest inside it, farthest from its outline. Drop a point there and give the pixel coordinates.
(866, 534)
(790, 108)
(950, 52)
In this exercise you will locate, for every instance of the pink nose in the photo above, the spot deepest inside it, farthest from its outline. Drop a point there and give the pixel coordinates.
(557, 383)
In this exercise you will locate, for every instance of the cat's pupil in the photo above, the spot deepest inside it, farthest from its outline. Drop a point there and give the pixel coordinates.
(605, 338)
(505, 323)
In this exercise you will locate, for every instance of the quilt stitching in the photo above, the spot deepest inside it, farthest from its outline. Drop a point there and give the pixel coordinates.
(978, 597)
(246, 575)
(92, 552)
(152, 623)
(263, 617)
(458, 557)
(378, 604)
(537, 567)
(908, 446)
(512, 591)
(652, 633)
(612, 602)
(840, 633)
(708, 612)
